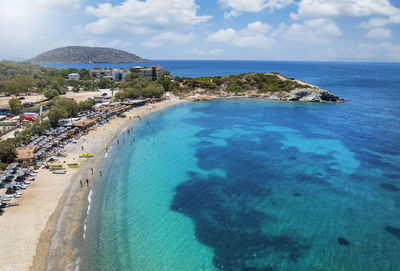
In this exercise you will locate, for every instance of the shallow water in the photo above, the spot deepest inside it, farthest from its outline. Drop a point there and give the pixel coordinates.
(257, 185)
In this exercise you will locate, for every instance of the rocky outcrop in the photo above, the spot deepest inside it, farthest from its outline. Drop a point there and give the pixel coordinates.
(315, 95)
(308, 95)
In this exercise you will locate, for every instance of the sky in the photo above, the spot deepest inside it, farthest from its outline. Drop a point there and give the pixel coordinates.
(299, 30)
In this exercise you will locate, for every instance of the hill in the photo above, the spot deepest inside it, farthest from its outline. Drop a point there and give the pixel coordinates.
(83, 54)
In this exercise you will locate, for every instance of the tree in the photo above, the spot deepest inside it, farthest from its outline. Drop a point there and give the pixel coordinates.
(7, 151)
(69, 105)
(22, 83)
(153, 74)
(86, 105)
(104, 83)
(57, 113)
(85, 74)
(166, 83)
(51, 93)
(15, 106)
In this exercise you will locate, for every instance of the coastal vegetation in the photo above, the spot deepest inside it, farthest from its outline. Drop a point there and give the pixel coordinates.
(135, 87)
(273, 86)
(259, 82)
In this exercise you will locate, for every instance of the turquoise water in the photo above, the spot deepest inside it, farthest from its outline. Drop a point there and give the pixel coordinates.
(253, 185)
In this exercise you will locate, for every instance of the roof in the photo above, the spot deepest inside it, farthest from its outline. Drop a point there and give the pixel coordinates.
(26, 153)
(84, 123)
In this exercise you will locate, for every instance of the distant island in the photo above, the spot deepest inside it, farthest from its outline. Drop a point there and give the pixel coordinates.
(83, 54)
(271, 86)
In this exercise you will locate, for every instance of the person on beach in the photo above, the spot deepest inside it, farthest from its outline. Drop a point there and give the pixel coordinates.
(82, 148)
(118, 142)
(87, 181)
(100, 173)
(91, 170)
(81, 183)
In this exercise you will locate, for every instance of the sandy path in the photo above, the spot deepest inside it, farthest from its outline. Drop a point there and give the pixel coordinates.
(23, 225)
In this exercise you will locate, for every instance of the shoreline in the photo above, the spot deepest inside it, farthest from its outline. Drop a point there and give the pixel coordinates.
(70, 222)
(42, 230)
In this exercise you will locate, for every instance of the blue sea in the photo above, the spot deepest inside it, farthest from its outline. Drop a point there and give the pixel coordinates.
(254, 185)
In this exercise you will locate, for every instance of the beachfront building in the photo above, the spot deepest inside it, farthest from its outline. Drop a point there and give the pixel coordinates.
(100, 73)
(148, 72)
(114, 74)
(119, 74)
(74, 76)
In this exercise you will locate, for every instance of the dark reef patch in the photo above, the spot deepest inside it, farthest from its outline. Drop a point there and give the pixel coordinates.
(236, 214)
(390, 187)
(342, 241)
(227, 219)
(392, 176)
(394, 231)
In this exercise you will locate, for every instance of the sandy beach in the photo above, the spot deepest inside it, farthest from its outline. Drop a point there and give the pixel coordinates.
(50, 211)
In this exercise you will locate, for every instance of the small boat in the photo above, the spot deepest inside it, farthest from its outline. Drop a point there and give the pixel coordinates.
(73, 165)
(55, 165)
(59, 171)
(32, 179)
(85, 155)
(17, 196)
(23, 186)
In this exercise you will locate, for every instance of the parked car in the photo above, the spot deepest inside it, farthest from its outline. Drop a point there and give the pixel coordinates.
(21, 98)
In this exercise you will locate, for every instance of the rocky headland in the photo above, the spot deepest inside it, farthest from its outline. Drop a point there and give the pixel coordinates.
(272, 86)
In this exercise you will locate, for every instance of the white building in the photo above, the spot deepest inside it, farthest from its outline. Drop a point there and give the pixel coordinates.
(148, 73)
(74, 76)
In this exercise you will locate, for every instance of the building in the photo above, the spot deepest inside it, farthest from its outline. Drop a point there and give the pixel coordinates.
(114, 74)
(74, 76)
(100, 73)
(148, 72)
(119, 74)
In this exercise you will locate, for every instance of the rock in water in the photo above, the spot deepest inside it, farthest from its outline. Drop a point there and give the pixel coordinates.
(343, 241)
(394, 231)
(390, 187)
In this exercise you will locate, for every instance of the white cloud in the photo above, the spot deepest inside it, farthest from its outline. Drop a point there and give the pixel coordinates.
(158, 40)
(380, 21)
(238, 6)
(385, 51)
(253, 36)
(379, 33)
(59, 5)
(313, 31)
(198, 52)
(134, 16)
(341, 8)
